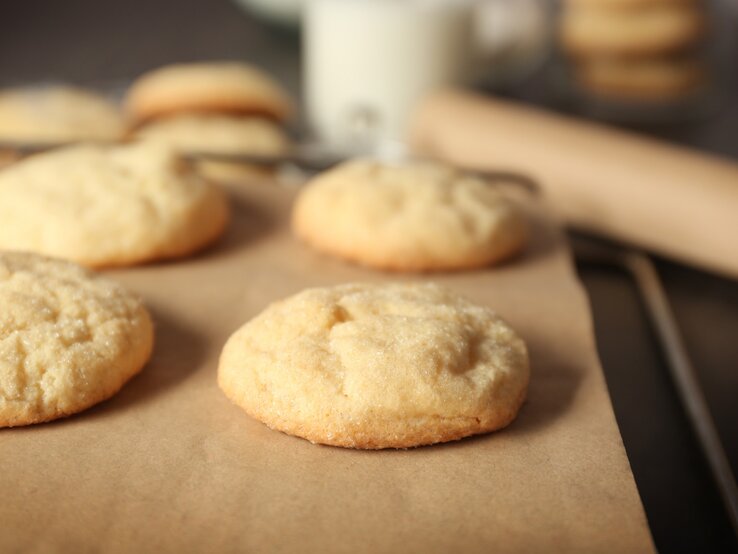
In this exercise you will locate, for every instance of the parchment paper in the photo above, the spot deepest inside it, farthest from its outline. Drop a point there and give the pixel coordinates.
(170, 465)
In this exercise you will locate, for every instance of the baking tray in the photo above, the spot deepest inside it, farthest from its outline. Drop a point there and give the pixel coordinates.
(678, 487)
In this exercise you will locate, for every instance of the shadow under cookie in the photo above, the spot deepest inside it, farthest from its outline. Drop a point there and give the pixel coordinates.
(178, 352)
(250, 222)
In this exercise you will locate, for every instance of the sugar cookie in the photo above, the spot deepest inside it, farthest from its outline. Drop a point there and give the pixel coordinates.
(58, 113)
(220, 133)
(108, 206)
(377, 366)
(68, 338)
(408, 217)
(654, 28)
(648, 79)
(207, 87)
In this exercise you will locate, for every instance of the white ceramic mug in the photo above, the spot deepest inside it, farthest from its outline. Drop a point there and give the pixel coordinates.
(367, 62)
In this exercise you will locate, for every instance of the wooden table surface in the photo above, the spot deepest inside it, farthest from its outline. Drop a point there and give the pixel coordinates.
(104, 44)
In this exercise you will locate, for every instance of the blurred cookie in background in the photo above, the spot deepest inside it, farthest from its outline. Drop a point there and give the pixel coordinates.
(647, 79)
(636, 60)
(58, 113)
(219, 133)
(219, 87)
(109, 206)
(620, 28)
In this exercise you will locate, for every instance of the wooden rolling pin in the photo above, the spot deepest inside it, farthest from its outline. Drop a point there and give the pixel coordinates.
(665, 198)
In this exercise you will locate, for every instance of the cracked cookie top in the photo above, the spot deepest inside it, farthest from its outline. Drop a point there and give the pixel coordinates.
(108, 206)
(68, 339)
(377, 366)
(410, 216)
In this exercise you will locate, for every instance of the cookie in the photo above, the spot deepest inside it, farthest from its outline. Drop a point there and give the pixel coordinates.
(408, 217)
(229, 87)
(220, 133)
(68, 338)
(108, 206)
(645, 29)
(58, 114)
(377, 366)
(641, 80)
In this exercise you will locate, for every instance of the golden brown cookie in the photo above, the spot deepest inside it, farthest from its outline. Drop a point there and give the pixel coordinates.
(643, 29)
(220, 133)
(109, 206)
(641, 80)
(377, 366)
(408, 217)
(230, 87)
(68, 338)
(58, 113)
